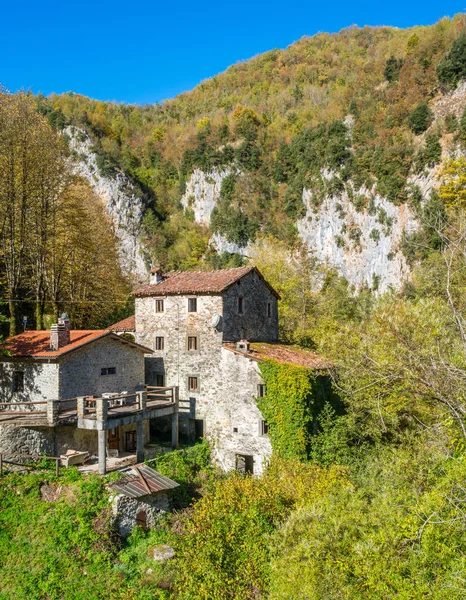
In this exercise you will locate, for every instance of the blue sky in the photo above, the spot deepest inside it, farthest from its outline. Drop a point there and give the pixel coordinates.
(146, 51)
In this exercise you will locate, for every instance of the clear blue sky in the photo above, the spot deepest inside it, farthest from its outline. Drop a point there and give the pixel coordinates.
(146, 51)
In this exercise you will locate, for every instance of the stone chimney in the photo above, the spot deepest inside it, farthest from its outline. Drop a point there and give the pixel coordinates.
(243, 346)
(60, 333)
(156, 275)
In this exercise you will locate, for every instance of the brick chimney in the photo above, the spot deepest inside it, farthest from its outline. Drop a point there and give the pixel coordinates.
(60, 333)
(156, 275)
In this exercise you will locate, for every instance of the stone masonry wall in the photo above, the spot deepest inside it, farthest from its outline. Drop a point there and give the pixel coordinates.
(227, 381)
(80, 371)
(253, 324)
(40, 381)
(126, 509)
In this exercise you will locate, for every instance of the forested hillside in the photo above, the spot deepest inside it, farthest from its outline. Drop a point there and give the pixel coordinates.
(335, 141)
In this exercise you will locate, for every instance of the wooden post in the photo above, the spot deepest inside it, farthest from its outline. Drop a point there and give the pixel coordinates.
(140, 441)
(57, 467)
(102, 450)
(175, 423)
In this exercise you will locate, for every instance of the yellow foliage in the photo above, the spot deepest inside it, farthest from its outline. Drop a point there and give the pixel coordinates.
(453, 189)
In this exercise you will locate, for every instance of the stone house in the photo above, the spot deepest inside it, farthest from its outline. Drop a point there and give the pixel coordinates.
(209, 332)
(43, 367)
(140, 497)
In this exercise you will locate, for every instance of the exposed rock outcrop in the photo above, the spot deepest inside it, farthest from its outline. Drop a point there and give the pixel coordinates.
(118, 194)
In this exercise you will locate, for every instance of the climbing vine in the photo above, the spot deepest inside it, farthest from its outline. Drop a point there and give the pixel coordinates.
(293, 400)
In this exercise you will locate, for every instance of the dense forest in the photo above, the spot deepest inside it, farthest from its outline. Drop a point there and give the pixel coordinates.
(363, 501)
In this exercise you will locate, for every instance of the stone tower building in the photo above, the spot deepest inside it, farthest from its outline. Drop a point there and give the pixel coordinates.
(209, 331)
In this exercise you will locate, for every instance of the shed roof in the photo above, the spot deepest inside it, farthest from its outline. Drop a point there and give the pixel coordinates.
(141, 481)
(36, 344)
(198, 282)
(282, 353)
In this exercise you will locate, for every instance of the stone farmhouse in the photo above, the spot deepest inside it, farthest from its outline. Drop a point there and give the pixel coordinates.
(208, 332)
(77, 390)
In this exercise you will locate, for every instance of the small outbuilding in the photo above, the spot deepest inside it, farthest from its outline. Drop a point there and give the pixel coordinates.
(140, 497)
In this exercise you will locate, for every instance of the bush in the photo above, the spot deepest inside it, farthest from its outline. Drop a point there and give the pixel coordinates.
(393, 68)
(420, 118)
(452, 69)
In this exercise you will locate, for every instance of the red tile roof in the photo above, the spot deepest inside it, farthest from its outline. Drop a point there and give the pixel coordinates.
(36, 344)
(282, 353)
(197, 282)
(128, 324)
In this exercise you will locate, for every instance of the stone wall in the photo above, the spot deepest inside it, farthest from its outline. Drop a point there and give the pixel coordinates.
(126, 509)
(253, 324)
(40, 381)
(80, 371)
(226, 398)
(27, 440)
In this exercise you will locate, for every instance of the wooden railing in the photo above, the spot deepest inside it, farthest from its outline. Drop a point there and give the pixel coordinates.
(31, 456)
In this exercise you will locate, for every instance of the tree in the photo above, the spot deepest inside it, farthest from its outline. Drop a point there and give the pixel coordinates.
(420, 118)
(452, 69)
(393, 68)
(32, 174)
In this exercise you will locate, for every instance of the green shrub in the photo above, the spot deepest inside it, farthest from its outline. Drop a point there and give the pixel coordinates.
(420, 118)
(393, 68)
(452, 69)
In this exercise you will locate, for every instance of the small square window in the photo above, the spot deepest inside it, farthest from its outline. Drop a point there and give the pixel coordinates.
(159, 343)
(269, 309)
(193, 384)
(18, 381)
(192, 304)
(159, 305)
(261, 390)
(193, 343)
(240, 305)
(264, 428)
(235, 429)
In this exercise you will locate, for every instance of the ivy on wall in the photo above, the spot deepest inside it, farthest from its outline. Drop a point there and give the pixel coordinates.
(293, 400)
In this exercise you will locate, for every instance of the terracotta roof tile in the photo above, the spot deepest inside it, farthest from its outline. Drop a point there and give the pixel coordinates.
(283, 353)
(196, 282)
(128, 324)
(36, 344)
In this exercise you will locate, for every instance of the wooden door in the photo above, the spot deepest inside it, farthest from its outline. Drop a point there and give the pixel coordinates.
(113, 439)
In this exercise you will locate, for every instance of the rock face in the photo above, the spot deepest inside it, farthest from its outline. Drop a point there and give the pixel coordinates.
(363, 244)
(201, 195)
(118, 194)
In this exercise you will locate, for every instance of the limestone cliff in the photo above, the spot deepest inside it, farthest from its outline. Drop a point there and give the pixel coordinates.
(117, 193)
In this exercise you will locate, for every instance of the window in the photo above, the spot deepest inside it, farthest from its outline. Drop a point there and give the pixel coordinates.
(192, 304)
(108, 371)
(264, 430)
(159, 305)
(160, 380)
(240, 305)
(18, 381)
(193, 342)
(235, 429)
(261, 390)
(245, 463)
(193, 384)
(269, 309)
(159, 343)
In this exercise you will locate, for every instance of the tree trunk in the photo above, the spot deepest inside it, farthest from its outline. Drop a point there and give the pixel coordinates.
(13, 317)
